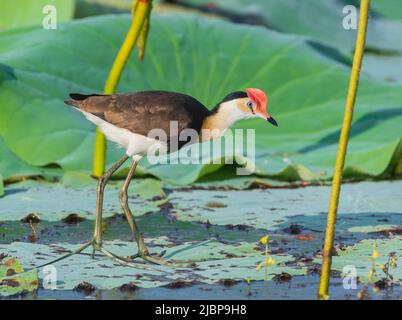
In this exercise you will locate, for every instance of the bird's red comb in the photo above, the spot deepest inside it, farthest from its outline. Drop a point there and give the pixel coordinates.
(259, 97)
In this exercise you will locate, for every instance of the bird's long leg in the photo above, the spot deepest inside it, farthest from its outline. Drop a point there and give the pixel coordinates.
(99, 201)
(123, 197)
(96, 241)
(142, 248)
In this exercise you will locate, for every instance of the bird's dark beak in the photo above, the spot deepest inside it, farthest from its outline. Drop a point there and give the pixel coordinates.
(272, 121)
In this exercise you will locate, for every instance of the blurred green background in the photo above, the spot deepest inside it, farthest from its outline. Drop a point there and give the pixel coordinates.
(296, 51)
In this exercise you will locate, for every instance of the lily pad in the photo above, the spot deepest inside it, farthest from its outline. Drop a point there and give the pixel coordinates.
(231, 221)
(148, 189)
(13, 279)
(56, 201)
(375, 228)
(78, 179)
(358, 256)
(214, 266)
(270, 209)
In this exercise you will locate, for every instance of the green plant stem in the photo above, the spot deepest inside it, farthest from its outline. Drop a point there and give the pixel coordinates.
(141, 12)
(342, 149)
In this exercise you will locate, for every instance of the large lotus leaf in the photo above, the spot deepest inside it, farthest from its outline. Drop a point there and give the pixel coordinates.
(12, 166)
(322, 20)
(306, 86)
(14, 14)
(13, 279)
(391, 9)
(317, 19)
(386, 67)
(86, 8)
(217, 261)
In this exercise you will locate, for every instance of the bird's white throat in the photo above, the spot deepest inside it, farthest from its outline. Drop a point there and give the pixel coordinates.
(227, 114)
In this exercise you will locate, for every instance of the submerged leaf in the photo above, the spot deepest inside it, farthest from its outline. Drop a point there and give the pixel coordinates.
(13, 279)
(358, 254)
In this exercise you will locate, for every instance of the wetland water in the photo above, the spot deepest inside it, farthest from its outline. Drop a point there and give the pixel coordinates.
(221, 229)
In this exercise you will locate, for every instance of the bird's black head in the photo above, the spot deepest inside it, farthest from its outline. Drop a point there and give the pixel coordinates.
(244, 105)
(233, 96)
(229, 97)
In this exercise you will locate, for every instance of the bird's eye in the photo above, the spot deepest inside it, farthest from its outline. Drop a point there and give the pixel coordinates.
(250, 104)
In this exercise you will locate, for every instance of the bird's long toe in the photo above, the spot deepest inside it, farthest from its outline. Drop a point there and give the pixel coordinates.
(159, 260)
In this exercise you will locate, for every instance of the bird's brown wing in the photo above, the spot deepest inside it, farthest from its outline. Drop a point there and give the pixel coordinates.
(141, 112)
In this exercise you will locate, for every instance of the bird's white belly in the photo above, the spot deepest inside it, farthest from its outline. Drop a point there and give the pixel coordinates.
(135, 144)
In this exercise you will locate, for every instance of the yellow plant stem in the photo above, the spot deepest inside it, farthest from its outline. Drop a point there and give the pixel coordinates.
(99, 161)
(342, 148)
(141, 11)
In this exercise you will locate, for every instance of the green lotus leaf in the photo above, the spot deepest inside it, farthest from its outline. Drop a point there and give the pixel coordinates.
(320, 20)
(86, 8)
(21, 13)
(391, 9)
(206, 58)
(323, 21)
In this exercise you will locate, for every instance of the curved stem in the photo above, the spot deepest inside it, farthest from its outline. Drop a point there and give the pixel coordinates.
(342, 148)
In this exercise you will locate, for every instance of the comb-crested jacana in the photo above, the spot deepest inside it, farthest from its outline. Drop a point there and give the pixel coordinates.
(127, 120)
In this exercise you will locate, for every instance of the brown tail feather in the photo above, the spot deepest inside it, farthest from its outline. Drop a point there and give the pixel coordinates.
(77, 99)
(70, 102)
(80, 97)
(95, 103)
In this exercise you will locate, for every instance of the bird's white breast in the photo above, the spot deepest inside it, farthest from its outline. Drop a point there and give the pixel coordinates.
(135, 144)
